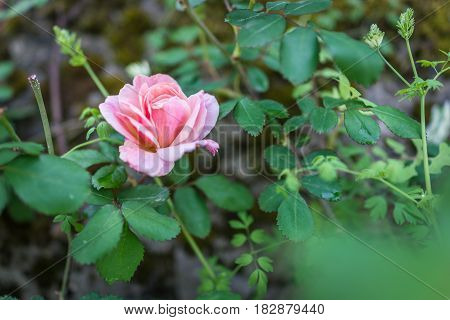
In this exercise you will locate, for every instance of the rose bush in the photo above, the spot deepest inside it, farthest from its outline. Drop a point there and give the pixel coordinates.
(160, 123)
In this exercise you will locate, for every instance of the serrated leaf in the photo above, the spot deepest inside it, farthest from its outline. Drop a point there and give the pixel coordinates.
(225, 193)
(151, 194)
(226, 107)
(323, 120)
(327, 190)
(299, 55)
(279, 157)
(361, 128)
(294, 123)
(193, 211)
(249, 116)
(121, 263)
(109, 177)
(294, 218)
(241, 17)
(148, 223)
(273, 108)
(377, 206)
(398, 122)
(258, 79)
(100, 235)
(49, 184)
(271, 197)
(306, 7)
(261, 30)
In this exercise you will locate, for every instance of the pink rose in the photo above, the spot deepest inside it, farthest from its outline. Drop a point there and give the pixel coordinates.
(160, 123)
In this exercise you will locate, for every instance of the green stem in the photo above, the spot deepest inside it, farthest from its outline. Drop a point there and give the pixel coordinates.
(40, 101)
(9, 128)
(251, 4)
(188, 236)
(393, 69)
(411, 58)
(426, 165)
(65, 280)
(84, 144)
(96, 80)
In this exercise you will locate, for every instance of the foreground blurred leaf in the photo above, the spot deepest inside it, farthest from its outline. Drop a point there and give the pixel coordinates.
(100, 235)
(49, 184)
(87, 158)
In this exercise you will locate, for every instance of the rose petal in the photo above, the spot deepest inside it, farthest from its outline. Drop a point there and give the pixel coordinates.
(212, 107)
(173, 153)
(109, 110)
(139, 80)
(143, 161)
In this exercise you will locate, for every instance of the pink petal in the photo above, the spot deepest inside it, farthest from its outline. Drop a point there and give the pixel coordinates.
(109, 110)
(196, 120)
(170, 119)
(173, 153)
(212, 106)
(144, 161)
(139, 80)
(141, 135)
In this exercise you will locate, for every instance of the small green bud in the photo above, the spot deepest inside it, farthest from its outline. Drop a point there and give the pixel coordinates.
(375, 37)
(327, 171)
(70, 45)
(292, 183)
(405, 24)
(104, 130)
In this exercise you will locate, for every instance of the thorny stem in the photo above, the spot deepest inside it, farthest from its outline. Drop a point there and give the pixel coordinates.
(188, 236)
(411, 58)
(96, 80)
(393, 69)
(65, 279)
(9, 128)
(44, 118)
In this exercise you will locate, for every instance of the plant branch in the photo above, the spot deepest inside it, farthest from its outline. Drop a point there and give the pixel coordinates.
(65, 280)
(40, 101)
(9, 127)
(96, 80)
(426, 165)
(84, 144)
(188, 236)
(411, 58)
(393, 69)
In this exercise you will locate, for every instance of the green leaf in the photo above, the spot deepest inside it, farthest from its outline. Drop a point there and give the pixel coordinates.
(249, 116)
(181, 171)
(151, 194)
(323, 119)
(225, 193)
(226, 107)
(265, 263)
(100, 235)
(441, 160)
(258, 236)
(355, 59)
(361, 128)
(306, 7)
(398, 122)
(87, 158)
(279, 157)
(327, 190)
(49, 184)
(259, 280)
(7, 156)
(306, 105)
(121, 263)
(332, 103)
(244, 259)
(377, 206)
(406, 213)
(4, 194)
(258, 79)
(147, 222)
(30, 148)
(299, 55)
(261, 30)
(241, 17)
(273, 108)
(6, 69)
(271, 197)
(276, 5)
(193, 211)
(294, 218)
(109, 177)
(238, 240)
(294, 123)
